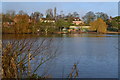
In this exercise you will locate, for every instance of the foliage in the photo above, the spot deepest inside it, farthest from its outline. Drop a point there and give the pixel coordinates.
(62, 23)
(115, 22)
(8, 30)
(47, 27)
(99, 25)
(89, 17)
(6, 18)
(112, 29)
(22, 24)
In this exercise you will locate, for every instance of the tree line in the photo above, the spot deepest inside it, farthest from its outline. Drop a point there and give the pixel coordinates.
(25, 23)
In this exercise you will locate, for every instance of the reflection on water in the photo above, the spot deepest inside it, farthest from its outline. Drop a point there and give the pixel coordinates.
(22, 36)
(96, 54)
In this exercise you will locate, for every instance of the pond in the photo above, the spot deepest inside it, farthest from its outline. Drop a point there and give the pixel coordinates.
(96, 55)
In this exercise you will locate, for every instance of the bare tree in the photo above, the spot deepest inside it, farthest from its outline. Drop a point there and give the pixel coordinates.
(75, 14)
(102, 15)
(49, 13)
(18, 55)
(89, 17)
(21, 12)
(75, 72)
(10, 13)
(36, 15)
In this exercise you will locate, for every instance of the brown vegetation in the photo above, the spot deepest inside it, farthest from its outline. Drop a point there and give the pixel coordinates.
(18, 55)
(99, 25)
(22, 24)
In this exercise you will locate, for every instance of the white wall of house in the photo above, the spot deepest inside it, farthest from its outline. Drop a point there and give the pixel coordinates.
(87, 27)
(74, 27)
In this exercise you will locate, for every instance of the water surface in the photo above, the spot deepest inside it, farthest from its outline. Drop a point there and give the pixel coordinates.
(96, 54)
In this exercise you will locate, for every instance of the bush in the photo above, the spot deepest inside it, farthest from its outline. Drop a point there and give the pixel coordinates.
(99, 25)
(112, 29)
(17, 57)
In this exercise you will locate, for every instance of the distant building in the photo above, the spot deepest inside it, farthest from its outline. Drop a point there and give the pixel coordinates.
(80, 28)
(45, 20)
(77, 21)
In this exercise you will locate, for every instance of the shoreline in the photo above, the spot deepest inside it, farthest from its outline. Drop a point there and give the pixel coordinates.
(67, 33)
(87, 33)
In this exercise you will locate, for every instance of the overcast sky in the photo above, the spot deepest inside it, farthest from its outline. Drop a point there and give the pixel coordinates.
(111, 8)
